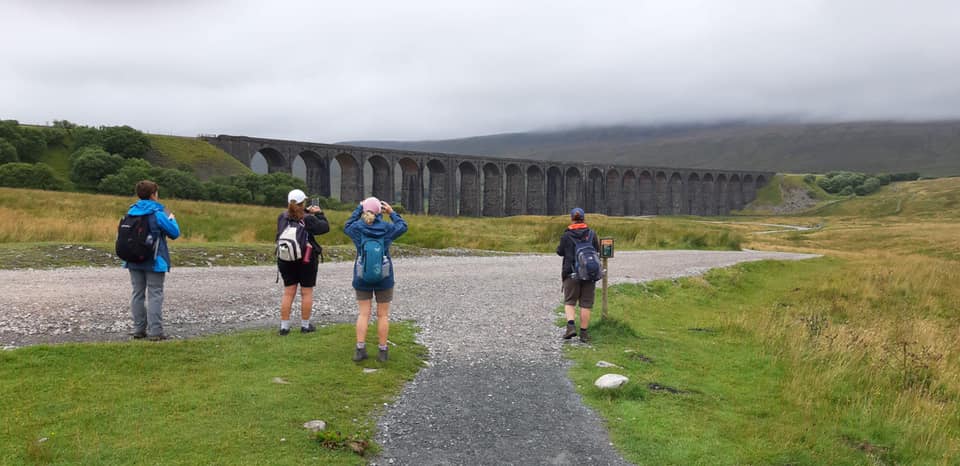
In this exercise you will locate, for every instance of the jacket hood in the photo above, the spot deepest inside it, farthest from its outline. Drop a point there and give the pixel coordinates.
(378, 229)
(578, 233)
(144, 207)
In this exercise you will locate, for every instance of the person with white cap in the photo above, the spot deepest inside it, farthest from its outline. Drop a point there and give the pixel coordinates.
(373, 268)
(305, 223)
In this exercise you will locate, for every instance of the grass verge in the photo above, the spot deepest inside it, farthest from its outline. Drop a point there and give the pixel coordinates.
(814, 362)
(210, 400)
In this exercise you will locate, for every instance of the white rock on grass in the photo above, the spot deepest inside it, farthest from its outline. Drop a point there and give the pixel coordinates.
(606, 364)
(281, 381)
(315, 425)
(368, 370)
(610, 381)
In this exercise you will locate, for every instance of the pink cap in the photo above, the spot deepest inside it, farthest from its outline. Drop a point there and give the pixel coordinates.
(371, 204)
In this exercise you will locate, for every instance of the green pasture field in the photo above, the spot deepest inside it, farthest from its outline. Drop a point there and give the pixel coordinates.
(194, 401)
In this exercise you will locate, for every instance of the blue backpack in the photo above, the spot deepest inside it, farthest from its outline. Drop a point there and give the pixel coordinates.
(373, 264)
(586, 263)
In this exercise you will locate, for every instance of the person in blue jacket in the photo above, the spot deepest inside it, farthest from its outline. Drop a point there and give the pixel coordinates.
(369, 231)
(147, 277)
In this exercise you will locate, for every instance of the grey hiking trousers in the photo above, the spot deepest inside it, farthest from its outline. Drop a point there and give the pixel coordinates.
(147, 318)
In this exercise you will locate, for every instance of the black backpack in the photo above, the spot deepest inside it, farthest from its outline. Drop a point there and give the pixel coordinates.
(135, 242)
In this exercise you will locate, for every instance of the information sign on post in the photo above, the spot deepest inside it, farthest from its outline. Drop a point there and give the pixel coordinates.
(606, 247)
(606, 252)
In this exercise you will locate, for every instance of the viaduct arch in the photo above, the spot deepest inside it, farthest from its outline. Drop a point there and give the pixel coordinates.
(453, 184)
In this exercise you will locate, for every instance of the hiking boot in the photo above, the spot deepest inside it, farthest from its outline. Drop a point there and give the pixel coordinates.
(160, 337)
(284, 332)
(382, 355)
(571, 332)
(584, 336)
(139, 335)
(309, 329)
(360, 355)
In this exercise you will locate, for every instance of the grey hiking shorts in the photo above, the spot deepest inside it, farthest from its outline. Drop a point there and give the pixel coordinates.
(383, 296)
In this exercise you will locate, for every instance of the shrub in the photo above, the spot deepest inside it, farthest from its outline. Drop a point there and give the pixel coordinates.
(64, 124)
(226, 193)
(268, 189)
(125, 141)
(847, 183)
(84, 136)
(30, 143)
(124, 181)
(176, 183)
(910, 176)
(27, 175)
(334, 204)
(89, 165)
(8, 153)
(33, 145)
(810, 179)
(869, 185)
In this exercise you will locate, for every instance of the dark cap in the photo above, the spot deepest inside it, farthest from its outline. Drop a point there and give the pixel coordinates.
(577, 212)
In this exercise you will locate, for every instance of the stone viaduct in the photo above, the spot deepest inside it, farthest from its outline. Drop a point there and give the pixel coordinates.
(452, 184)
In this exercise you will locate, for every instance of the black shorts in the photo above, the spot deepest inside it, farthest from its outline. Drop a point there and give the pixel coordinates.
(298, 273)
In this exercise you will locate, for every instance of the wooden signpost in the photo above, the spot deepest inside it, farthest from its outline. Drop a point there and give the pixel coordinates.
(606, 252)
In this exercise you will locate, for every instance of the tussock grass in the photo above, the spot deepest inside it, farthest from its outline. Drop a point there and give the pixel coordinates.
(38, 216)
(850, 359)
(821, 362)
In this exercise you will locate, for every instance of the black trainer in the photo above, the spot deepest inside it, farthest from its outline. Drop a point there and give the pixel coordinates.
(360, 355)
(571, 332)
(139, 335)
(284, 332)
(382, 355)
(160, 337)
(584, 336)
(309, 329)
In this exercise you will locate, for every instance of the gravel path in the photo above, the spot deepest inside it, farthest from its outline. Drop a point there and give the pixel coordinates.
(495, 390)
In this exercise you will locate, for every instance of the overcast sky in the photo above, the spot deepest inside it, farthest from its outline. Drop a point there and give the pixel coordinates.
(332, 71)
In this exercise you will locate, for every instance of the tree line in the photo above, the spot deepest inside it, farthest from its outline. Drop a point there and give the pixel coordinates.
(110, 160)
(861, 184)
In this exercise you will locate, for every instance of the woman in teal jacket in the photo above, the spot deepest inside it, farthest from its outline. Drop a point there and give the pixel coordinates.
(147, 277)
(370, 232)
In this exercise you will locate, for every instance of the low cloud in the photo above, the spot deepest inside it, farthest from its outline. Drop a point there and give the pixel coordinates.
(427, 70)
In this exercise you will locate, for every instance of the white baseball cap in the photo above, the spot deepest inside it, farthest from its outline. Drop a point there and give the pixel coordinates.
(296, 196)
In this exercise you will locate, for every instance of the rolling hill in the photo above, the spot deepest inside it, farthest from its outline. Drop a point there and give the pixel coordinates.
(930, 148)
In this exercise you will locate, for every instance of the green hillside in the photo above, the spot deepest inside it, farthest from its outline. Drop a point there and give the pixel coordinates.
(202, 158)
(789, 194)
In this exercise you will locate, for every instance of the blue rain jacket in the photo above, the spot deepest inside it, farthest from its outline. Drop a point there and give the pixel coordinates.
(162, 227)
(356, 229)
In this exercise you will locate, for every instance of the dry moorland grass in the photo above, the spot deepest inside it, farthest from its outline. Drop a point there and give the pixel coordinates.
(886, 319)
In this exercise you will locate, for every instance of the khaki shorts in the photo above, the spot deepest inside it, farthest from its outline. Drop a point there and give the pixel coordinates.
(383, 296)
(579, 290)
